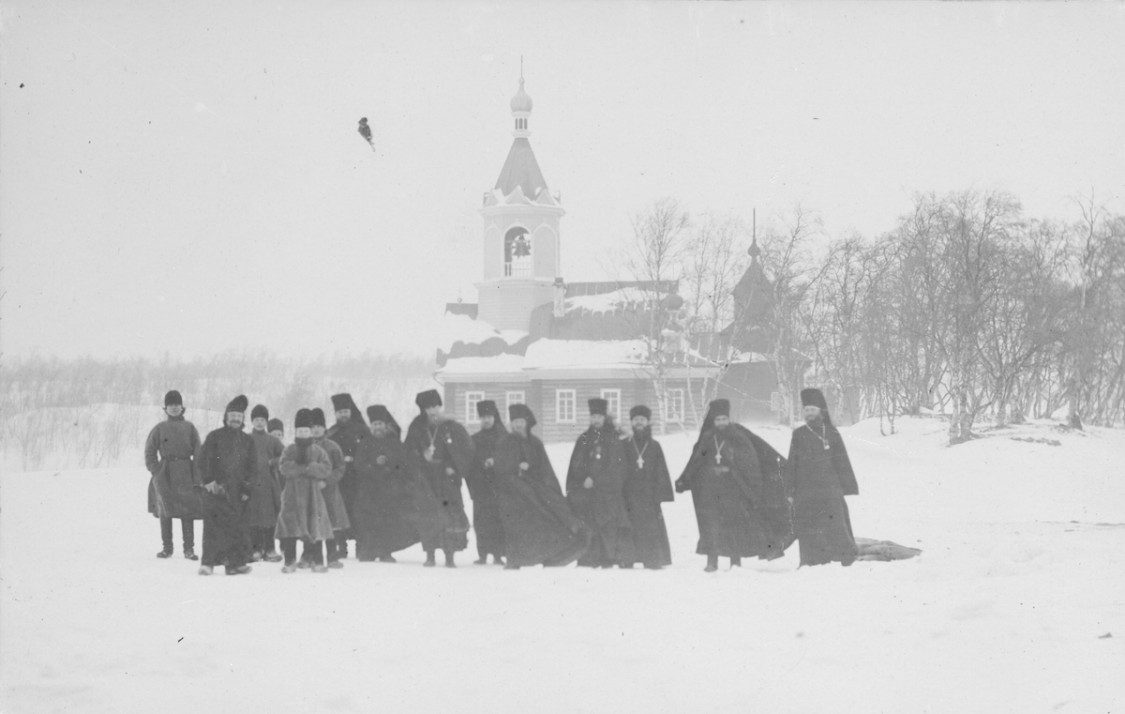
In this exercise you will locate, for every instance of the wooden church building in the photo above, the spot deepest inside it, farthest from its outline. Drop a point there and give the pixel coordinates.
(536, 339)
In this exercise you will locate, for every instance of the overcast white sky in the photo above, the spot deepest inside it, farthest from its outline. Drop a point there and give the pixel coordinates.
(187, 177)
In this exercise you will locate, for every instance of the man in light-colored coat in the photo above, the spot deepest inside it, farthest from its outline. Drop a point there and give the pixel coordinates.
(173, 489)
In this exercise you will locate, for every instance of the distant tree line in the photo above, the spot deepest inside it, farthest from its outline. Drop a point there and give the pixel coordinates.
(62, 412)
(967, 308)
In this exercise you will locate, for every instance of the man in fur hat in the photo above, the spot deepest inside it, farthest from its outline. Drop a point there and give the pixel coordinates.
(265, 496)
(228, 463)
(444, 453)
(539, 528)
(727, 484)
(820, 475)
(276, 428)
(172, 490)
(486, 511)
(647, 485)
(348, 431)
(594, 488)
(304, 515)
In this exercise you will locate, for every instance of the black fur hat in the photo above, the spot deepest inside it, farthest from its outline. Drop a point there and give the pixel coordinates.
(522, 411)
(427, 399)
(813, 397)
(304, 419)
(238, 404)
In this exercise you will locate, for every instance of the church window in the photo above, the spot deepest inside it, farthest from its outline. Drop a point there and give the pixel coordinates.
(517, 253)
(674, 406)
(564, 406)
(513, 398)
(613, 402)
(471, 401)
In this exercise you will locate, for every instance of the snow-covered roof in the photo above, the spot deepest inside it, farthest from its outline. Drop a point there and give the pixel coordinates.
(569, 354)
(462, 328)
(482, 365)
(748, 358)
(610, 301)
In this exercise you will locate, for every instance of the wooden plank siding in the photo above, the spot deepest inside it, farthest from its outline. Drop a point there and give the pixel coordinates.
(541, 397)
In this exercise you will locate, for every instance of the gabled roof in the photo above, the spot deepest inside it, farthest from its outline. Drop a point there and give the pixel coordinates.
(522, 170)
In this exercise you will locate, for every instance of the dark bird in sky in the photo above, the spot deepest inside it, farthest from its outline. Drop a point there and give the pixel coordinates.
(365, 132)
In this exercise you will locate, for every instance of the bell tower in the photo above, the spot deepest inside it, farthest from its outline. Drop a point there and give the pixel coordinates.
(521, 233)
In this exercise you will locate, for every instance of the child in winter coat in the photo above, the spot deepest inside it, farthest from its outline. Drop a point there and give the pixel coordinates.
(304, 514)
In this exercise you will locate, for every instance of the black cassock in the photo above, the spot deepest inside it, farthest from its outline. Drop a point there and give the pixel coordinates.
(487, 525)
(228, 458)
(647, 485)
(393, 507)
(539, 527)
(819, 478)
(452, 450)
(348, 436)
(775, 511)
(599, 454)
(728, 488)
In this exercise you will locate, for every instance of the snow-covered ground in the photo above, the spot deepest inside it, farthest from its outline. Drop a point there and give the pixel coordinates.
(1007, 610)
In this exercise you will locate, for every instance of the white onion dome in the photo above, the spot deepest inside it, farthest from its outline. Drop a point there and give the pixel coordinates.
(521, 102)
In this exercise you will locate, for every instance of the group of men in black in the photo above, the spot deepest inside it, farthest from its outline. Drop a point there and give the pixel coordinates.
(369, 483)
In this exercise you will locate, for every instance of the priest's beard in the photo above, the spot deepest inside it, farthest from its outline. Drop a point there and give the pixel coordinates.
(643, 433)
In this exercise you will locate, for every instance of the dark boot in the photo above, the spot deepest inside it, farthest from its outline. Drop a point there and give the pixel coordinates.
(712, 564)
(482, 560)
(187, 531)
(736, 561)
(165, 538)
(430, 562)
(449, 559)
(333, 548)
